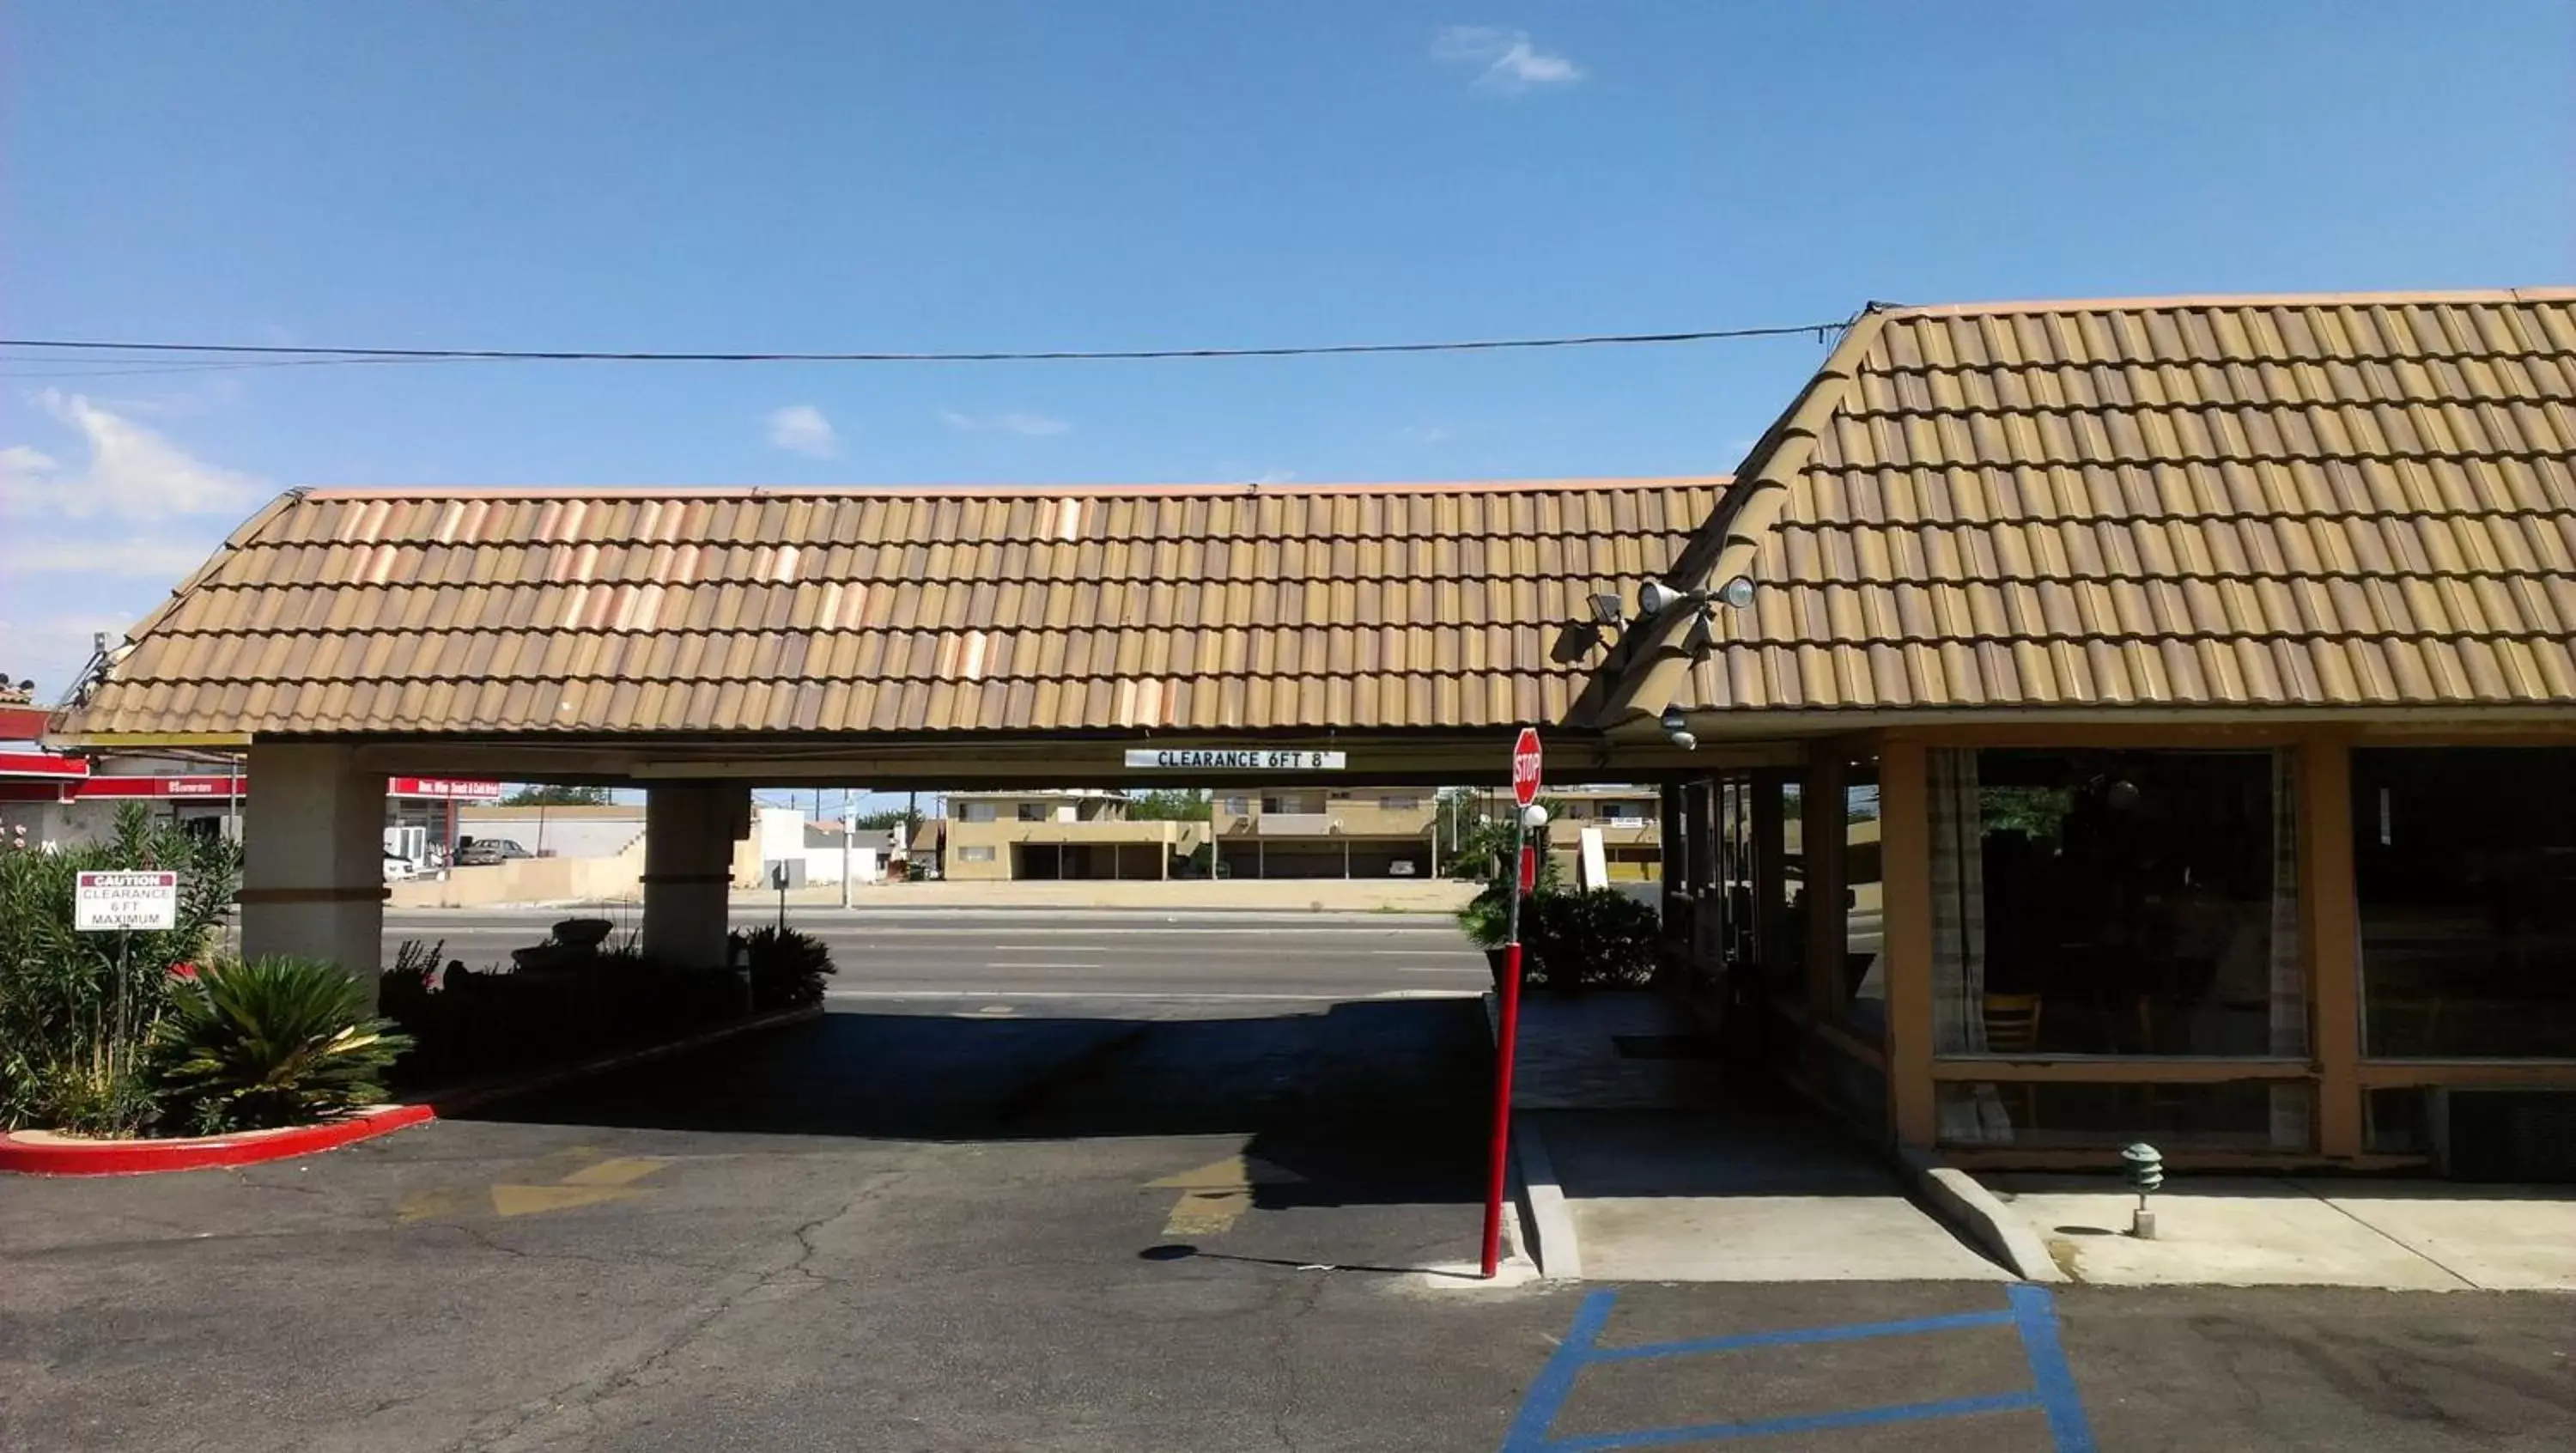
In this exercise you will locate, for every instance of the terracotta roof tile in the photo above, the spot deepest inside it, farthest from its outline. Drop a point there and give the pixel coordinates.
(565, 610)
(2335, 501)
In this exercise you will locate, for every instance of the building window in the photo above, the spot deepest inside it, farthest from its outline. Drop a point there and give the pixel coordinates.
(1238, 806)
(976, 853)
(1293, 802)
(976, 811)
(2464, 864)
(1622, 812)
(1034, 812)
(2107, 902)
(1399, 803)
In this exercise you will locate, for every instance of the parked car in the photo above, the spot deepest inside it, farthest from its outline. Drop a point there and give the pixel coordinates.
(399, 869)
(485, 852)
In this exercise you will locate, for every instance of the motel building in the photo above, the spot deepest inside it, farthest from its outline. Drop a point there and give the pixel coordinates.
(2072, 722)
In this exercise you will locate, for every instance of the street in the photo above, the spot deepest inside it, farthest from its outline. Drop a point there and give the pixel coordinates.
(1071, 957)
(960, 1212)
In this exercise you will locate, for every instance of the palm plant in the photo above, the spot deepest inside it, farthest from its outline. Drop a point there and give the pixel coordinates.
(277, 1041)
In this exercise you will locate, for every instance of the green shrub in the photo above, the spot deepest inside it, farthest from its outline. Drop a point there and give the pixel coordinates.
(1593, 940)
(787, 967)
(78, 1010)
(1486, 919)
(278, 1041)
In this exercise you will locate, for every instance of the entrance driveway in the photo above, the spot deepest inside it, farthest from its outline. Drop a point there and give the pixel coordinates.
(1081, 1225)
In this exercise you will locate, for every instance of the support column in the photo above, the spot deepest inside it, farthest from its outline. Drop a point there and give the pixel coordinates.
(1905, 928)
(689, 832)
(1770, 878)
(313, 859)
(1821, 832)
(2328, 939)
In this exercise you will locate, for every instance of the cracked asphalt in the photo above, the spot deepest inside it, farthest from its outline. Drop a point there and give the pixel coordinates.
(933, 1230)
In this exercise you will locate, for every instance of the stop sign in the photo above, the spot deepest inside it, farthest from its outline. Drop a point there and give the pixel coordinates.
(1525, 766)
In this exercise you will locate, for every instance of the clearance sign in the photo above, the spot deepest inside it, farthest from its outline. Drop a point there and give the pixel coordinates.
(1219, 759)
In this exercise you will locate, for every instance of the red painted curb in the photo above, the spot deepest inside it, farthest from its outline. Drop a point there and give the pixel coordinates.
(37, 1153)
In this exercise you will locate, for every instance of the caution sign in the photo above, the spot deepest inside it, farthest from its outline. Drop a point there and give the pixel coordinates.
(122, 902)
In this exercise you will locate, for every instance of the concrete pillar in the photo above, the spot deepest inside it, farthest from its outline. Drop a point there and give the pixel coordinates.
(689, 832)
(313, 858)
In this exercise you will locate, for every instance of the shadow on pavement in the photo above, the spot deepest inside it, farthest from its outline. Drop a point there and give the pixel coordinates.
(1374, 1101)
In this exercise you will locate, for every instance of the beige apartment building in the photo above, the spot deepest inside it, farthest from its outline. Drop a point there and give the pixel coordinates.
(1324, 832)
(1051, 835)
(1630, 820)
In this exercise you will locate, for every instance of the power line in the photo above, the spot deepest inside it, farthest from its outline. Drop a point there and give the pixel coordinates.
(285, 353)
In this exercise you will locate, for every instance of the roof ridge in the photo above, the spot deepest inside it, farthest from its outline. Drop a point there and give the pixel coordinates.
(2552, 294)
(1011, 491)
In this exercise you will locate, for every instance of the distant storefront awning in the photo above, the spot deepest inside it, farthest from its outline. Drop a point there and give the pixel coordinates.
(76, 785)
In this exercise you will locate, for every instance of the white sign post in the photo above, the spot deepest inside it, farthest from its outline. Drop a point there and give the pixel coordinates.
(1220, 759)
(126, 902)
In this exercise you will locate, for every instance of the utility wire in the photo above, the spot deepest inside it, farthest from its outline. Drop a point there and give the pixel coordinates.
(284, 353)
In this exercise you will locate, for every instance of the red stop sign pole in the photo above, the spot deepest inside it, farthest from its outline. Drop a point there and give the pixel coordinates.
(1525, 773)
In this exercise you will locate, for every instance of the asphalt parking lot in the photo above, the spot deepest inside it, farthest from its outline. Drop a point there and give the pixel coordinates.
(996, 1222)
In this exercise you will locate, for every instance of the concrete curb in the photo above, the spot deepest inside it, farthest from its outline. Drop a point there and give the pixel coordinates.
(1546, 1222)
(1975, 1213)
(43, 1153)
(1547, 1227)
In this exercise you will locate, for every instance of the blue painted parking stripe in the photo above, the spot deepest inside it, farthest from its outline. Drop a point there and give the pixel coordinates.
(1555, 1382)
(1815, 1422)
(2035, 1312)
(1853, 1333)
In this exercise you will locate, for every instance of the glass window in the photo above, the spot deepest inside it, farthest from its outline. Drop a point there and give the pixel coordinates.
(1622, 812)
(1293, 802)
(1035, 812)
(1238, 805)
(2114, 902)
(977, 811)
(1399, 803)
(2464, 861)
(2235, 1114)
(979, 853)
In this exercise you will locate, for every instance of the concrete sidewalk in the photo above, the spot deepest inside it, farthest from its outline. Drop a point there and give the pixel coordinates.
(2256, 1231)
(1656, 1176)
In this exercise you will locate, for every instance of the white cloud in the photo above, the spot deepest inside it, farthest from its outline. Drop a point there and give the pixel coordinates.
(136, 555)
(1014, 423)
(133, 473)
(802, 429)
(1509, 64)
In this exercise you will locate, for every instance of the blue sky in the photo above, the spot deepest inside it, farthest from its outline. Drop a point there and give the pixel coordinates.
(839, 175)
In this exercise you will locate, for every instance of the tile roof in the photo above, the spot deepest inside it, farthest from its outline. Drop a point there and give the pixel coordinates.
(2316, 502)
(446, 611)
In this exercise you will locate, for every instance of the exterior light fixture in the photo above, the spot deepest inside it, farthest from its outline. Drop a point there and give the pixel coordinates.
(1677, 729)
(1608, 610)
(1654, 597)
(1533, 817)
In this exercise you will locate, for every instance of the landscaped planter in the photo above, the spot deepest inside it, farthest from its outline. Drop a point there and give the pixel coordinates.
(47, 1152)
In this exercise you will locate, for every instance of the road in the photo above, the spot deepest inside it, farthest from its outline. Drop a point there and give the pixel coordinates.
(1251, 958)
(994, 1221)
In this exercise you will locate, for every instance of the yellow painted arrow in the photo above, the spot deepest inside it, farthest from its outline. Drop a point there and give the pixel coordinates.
(580, 1185)
(1215, 1196)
